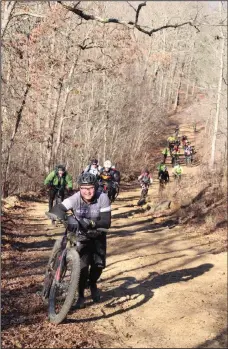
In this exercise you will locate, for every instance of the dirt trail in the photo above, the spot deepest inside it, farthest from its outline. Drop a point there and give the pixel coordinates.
(162, 288)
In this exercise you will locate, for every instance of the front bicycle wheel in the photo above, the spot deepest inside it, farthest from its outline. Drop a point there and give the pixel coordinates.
(144, 193)
(49, 274)
(64, 287)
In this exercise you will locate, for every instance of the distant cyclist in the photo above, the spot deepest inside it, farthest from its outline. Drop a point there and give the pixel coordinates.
(188, 154)
(176, 130)
(184, 140)
(93, 168)
(58, 180)
(164, 176)
(145, 180)
(161, 168)
(110, 178)
(163, 179)
(145, 177)
(171, 142)
(177, 171)
(165, 153)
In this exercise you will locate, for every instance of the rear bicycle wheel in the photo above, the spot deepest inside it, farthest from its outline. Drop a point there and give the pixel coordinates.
(58, 200)
(64, 287)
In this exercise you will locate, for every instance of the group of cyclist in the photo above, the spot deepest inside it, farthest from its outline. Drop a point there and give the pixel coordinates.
(172, 149)
(59, 181)
(91, 207)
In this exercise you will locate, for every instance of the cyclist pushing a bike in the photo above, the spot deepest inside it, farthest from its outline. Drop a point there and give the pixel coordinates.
(93, 168)
(164, 176)
(145, 177)
(92, 209)
(57, 181)
(177, 171)
(110, 178)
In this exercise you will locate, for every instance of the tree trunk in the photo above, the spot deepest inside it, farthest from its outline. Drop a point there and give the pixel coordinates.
(64, 104)
(6, 14)
(18, 120)
(213, 146)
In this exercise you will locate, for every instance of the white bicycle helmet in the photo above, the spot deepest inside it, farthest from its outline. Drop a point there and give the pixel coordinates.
(108, 164)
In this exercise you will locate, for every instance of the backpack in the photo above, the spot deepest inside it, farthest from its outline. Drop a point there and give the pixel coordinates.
(116, 176)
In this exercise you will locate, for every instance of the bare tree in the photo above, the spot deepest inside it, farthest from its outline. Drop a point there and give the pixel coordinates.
(219, 91)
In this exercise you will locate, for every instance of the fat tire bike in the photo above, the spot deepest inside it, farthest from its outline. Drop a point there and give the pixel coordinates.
(60, 288)
(144, 192)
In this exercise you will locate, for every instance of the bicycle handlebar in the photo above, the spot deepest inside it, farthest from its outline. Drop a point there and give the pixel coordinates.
(64, 222)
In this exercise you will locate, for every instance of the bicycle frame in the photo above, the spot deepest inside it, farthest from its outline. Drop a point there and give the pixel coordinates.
(107, 187)
(144, 190)
(58, 197)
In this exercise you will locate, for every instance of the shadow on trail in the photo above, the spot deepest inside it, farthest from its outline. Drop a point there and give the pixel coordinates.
(129, 198)
(220, 339)
(22, 305)
(46, 234)
(38, 245)
(152, 254)
(149, 228)
(128, 213)
(34, 198)
(144, 266)
(133, 184)
(133, 290)
(25, 269)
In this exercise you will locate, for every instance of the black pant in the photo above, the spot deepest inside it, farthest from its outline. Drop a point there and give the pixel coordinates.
(92, 257)
(93, 261)
(52, 193)
(111, 191)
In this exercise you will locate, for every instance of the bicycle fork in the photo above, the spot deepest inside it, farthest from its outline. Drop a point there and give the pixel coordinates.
(60, 264)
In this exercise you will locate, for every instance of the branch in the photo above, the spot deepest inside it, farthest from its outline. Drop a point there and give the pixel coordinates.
(138, 10)
(152, 31)
(27, 14)
(67, 117)
(86, 46)
(131, 6)
(129, 24)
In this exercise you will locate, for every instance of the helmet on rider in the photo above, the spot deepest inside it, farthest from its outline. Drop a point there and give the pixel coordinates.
(107, 164)
(60, 167)
(87, 178)
(94, 162)
(146, 171)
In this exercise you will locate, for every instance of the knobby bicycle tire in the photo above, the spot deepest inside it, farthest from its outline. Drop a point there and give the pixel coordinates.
(46, 287)
(73, 260)
(161, 186)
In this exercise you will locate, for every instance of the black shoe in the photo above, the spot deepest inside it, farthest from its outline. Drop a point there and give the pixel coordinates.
(95, 294)
(80, 304)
